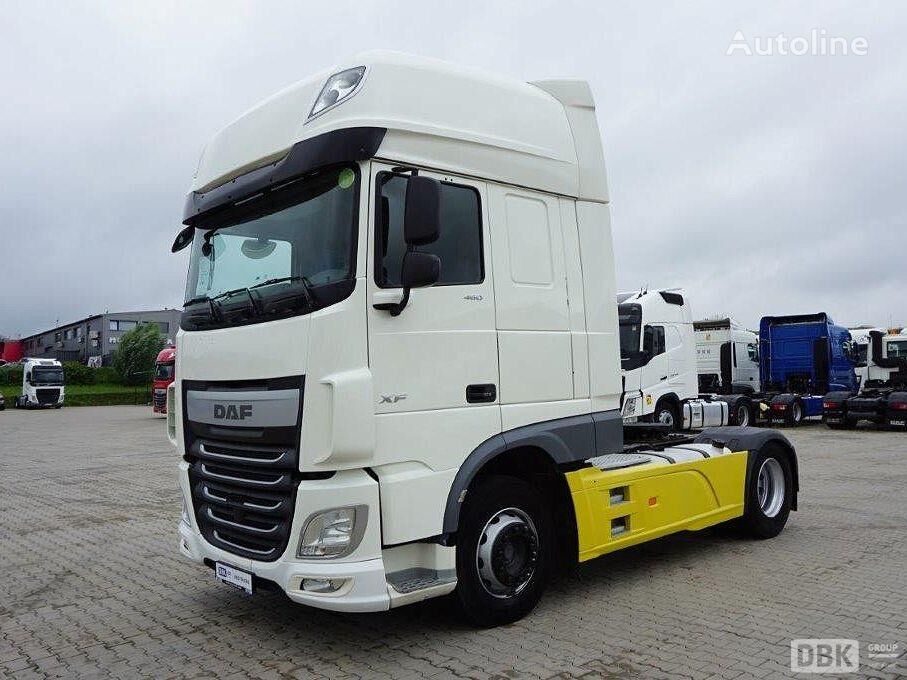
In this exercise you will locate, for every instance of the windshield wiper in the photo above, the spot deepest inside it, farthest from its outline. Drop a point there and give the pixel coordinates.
(306, 286)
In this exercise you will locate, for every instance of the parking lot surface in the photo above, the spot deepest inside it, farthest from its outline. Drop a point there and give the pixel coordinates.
(93, 584)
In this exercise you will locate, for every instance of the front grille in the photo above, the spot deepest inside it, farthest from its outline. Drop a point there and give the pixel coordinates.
(159, 398)
(47, 396)
(243, 496)
(244, 474)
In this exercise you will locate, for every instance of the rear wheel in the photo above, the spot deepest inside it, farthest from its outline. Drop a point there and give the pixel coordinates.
(743, 413)
(503, 551)
(769, 493)
(795, 413)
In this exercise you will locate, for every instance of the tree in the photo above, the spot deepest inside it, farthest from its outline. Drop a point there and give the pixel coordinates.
(135, 353)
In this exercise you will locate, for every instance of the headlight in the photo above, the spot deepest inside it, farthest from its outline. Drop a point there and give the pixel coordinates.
(333, 533)
(629, 406)
(185, 514)
(339, 86)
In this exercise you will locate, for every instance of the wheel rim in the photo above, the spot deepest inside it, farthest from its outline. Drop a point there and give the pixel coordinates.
(796, 412)
(665, 417)
(770, 487)
(743, 415)
(507, 553)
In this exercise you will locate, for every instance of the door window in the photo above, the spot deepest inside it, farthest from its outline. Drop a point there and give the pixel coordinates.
(459, 246)
(653, 340)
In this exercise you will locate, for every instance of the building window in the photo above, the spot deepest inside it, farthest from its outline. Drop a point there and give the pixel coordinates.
(164, 326)
(121, 325)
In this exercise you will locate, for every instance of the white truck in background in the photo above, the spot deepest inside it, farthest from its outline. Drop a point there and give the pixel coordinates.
(42, 384)
(882, 397)
(727, 357)
(658, 363)
(398, 369)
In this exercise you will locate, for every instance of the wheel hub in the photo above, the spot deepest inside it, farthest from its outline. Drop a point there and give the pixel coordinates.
(770, 487)
(507, 553)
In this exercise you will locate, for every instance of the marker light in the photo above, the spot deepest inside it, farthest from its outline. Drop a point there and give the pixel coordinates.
(338, 87)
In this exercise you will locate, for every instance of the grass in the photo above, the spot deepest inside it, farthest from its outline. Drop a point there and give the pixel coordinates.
(92, 395)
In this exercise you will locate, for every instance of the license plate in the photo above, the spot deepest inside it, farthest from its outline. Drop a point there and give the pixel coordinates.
(233, 577)
(898, 422)
(832, 420)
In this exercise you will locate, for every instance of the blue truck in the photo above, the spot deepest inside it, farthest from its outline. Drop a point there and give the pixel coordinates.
(801, 359)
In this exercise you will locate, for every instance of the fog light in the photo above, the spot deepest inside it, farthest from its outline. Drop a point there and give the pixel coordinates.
(333, 533)
(322, 585)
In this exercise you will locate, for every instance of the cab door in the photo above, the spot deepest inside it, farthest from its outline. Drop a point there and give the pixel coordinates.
(434, 366)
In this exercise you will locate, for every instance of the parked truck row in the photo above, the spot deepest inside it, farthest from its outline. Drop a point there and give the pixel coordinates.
(685, 374)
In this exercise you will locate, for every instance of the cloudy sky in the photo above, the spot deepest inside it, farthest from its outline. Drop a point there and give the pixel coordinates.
(761, 184)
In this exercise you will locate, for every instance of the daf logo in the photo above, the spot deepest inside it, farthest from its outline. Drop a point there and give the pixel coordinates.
(232, 411)
(391, 398)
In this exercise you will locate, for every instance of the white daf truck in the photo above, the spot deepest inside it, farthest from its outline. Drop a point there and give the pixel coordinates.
(398, 369)
(42, 384)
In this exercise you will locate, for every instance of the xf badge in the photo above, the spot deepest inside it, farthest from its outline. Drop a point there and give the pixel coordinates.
(391, 398)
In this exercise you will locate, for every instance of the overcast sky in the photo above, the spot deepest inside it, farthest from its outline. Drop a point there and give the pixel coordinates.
(761, 184)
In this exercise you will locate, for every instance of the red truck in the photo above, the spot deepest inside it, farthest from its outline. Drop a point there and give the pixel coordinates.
(164, 370)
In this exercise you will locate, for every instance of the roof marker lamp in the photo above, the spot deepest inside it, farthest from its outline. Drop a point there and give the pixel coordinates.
(338, 88)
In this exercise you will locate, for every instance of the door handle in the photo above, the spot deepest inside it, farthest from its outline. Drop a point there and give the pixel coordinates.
(481, 394)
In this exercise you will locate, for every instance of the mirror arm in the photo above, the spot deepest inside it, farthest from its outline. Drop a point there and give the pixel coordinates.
(394, 308)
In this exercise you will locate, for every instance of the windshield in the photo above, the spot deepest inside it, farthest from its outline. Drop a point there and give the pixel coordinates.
(163, 371)
(47, 375)
(897, 349)
(302, 236)
(629, 317)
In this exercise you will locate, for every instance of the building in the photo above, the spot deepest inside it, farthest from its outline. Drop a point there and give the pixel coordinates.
(96, 336)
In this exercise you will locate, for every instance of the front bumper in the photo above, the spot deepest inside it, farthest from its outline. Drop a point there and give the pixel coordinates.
(365, 586)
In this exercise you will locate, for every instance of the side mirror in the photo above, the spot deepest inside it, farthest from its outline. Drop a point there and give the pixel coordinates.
(28, 378)
(183, 239)
(420, 269)
(422, 216)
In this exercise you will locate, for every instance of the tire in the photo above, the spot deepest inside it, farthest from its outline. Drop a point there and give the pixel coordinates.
(502, 514)
(743, 410)
(795, 413)
(769, 493)
(666, 414)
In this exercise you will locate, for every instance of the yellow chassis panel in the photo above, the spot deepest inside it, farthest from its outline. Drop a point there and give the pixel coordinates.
(619, 508)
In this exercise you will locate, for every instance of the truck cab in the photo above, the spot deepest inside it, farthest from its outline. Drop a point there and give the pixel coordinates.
(658, 363)
(882, 395)
(398, 369)
(42, 384)
(801, 358)
(727, 357)
(164, 371)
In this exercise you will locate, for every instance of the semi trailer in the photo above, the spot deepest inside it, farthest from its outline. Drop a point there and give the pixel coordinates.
(42, 384)
(398, 371)
(882, 397)
(658, 363)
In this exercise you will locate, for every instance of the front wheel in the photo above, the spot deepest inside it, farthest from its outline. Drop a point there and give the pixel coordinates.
(503, 551)
(666, 414)
(769, 493)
